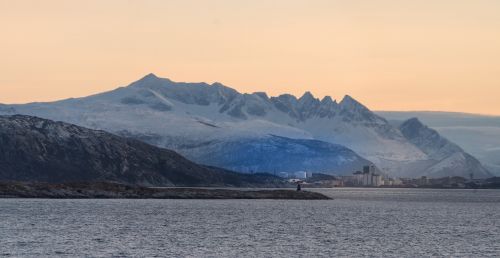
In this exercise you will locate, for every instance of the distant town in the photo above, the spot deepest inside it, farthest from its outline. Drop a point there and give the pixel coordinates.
(369, 177)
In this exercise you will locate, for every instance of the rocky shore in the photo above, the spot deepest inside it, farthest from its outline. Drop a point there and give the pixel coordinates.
(106, 190)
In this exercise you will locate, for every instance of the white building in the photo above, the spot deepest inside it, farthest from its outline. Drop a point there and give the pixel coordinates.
(300, 174)
(370, 177)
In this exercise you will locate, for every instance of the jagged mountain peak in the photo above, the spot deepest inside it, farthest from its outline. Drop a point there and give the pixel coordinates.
(427, 139)
(349, 102)
(308, 100)
(452, 159)
(239, 105)
(412, 128)
(307, 96)
(231, 100)
(328, 100)
(353, 110)
(413, 122)
(261, 94)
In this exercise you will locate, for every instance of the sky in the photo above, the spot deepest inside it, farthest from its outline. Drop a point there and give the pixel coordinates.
(390, 55)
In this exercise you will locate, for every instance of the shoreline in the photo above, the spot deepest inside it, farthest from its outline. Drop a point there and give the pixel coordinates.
(105, 190)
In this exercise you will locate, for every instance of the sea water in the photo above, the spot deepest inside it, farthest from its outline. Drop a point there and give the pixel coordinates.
(358, 222)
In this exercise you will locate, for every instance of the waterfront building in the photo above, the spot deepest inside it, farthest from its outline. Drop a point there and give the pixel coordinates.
(300, 174)
(357, 178)
(370, 177)
(377, 180)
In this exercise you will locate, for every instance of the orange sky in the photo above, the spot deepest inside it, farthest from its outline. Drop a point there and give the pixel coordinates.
(390, 55)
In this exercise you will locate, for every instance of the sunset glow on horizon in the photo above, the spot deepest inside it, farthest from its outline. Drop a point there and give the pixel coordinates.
(390, 55)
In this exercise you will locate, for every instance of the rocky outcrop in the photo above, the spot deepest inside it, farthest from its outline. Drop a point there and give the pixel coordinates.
(40, 150)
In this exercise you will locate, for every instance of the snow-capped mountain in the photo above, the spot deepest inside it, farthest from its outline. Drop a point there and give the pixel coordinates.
(449, 158)
(478, 135)
(198, 118)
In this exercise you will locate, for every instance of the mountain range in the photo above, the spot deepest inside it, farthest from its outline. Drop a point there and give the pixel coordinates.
(216, 125)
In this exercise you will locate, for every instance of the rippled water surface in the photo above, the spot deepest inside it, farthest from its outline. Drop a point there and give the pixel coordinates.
(359, 222)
